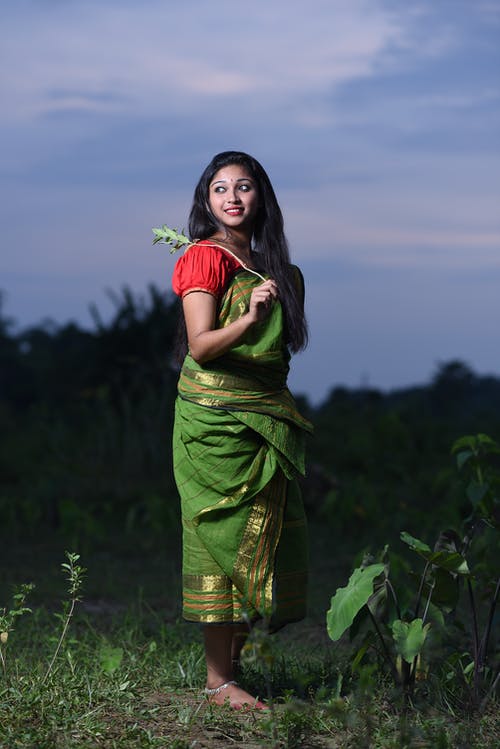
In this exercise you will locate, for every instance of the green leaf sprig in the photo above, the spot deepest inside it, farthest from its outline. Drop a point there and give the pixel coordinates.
(172, 237)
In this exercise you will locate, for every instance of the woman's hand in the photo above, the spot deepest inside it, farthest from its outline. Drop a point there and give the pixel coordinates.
(205, 342)
(261, 300)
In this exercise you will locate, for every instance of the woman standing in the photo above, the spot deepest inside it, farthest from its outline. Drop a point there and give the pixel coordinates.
(238, 438)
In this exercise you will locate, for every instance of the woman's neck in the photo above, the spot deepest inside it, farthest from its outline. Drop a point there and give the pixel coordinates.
(238, 243)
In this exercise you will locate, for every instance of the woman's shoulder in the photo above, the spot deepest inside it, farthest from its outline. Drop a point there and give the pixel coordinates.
(297, 280)
(204, 266)
(203, 245)
(209, 250)
(297, 275)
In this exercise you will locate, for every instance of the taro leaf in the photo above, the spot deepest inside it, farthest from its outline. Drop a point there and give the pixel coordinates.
(483, 500)
(362, 650)
(463, 443)
(476, 492)
(448, 540)
(409, 638)
(348, 601)
(436, 613)
(446, 590)
(462, 458)
(378, 600)
(474, 442)
(449, 561)
(376, 605)
(414, 543)
(358, 622)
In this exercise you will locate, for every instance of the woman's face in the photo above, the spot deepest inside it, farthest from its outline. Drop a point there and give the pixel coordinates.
(233, 198)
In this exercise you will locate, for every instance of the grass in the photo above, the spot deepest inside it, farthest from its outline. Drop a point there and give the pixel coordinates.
(130, 673)
(135, 681)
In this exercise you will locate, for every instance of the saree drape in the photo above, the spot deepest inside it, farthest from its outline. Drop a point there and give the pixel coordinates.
(238, 449)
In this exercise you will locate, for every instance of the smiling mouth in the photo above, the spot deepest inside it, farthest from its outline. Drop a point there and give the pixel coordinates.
(234, 211)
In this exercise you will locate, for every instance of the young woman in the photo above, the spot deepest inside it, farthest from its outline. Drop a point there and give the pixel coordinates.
(238, 438)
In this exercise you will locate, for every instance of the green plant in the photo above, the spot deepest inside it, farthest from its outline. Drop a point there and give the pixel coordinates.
(475, 456)
(173, 237)
(75, 575)
(370, 608)
(9, 616)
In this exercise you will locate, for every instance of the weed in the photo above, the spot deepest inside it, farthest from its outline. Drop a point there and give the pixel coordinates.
(75, 575)
(8, 618)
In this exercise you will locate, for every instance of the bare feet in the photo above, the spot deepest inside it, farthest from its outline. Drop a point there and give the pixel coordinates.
(237, 698)
(221, 648)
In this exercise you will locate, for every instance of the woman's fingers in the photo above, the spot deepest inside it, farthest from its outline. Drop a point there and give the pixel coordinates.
(267, 290)
(271, 287)
(263, 297)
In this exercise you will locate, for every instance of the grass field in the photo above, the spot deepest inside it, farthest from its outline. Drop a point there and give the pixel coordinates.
(130, 673)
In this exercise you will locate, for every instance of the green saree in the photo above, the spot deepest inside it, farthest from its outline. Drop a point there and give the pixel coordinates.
(238, 449)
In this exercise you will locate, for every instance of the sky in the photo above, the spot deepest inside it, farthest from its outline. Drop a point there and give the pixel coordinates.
(378, 122)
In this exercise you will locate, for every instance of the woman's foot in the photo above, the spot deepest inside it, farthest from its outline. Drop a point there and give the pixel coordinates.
(235, 696)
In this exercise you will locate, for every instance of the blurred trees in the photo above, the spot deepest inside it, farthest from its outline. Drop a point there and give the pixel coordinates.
(389, 453)
(63, 365)
(86, 419)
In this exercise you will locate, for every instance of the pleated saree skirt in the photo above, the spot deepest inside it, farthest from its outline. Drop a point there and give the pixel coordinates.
(244, 528)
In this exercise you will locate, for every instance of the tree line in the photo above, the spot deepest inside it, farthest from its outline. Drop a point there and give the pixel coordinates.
(86, 418)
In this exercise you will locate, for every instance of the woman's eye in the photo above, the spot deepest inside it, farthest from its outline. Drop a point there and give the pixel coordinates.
(244, 188)
(219, 188)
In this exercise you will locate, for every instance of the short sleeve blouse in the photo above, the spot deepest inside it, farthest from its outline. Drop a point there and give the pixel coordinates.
(204, 267)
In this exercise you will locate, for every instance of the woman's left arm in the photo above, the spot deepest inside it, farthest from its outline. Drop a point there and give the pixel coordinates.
(205, 341)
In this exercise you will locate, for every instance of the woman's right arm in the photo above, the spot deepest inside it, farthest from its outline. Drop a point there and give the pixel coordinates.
(205, 341)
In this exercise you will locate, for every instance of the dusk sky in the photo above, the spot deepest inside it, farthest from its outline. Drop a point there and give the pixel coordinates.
(378, 122)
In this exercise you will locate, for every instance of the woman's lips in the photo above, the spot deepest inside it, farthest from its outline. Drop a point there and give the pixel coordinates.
(234, 211)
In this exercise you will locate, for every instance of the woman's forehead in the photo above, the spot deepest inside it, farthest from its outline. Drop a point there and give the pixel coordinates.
(232, 173)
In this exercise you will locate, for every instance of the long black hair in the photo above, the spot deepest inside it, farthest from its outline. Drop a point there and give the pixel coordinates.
(268, 238)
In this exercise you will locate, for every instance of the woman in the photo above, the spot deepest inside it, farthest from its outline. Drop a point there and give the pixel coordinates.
(238, 438)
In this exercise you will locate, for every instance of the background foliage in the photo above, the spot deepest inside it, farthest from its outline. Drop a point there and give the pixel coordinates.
(85, 424)
(86, 415)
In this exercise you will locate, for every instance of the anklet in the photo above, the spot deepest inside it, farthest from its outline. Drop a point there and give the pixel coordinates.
(218, 690)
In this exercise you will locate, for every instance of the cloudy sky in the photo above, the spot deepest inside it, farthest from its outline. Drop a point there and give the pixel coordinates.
(378, 122)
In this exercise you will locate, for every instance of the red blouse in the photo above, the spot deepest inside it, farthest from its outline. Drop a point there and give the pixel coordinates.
(204, 267)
